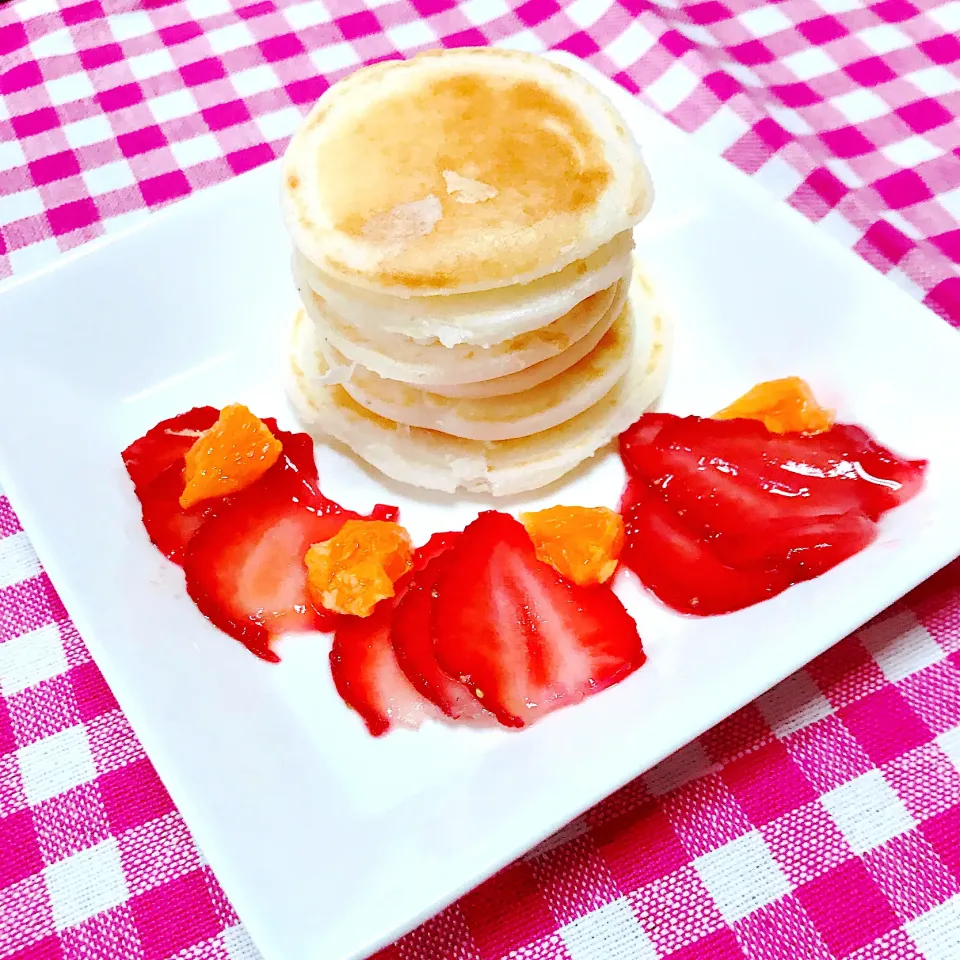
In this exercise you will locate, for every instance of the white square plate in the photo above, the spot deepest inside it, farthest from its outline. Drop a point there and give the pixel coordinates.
(330, 842)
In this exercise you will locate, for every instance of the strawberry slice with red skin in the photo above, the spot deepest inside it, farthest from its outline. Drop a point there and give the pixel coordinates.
(244, 567)
(413, 640)
(522, 638)
(166, 444)
(734, 477)
(802, 549)
(168, 525)
(679, 566)
(366, 673)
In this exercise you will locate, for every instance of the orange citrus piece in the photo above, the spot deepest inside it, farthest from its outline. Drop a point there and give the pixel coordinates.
(783, 406)
(580, 543)
(357, 568)
(237, 450)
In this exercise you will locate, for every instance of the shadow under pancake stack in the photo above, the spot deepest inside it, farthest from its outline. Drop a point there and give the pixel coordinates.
(472, 317)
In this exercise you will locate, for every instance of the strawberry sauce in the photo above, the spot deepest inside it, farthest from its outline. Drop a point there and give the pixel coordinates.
(721, 514)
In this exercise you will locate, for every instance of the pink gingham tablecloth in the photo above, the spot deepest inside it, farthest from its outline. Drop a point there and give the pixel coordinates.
(822, 821)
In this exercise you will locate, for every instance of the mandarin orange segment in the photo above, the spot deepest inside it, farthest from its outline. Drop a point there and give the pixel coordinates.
(783, 406)
(582, 544)
(236, 451)
(358, 567)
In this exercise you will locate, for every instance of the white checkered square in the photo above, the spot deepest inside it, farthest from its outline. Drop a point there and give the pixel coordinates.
(255, 80)
(151, 64)
(188, 153)
(18, 206)
(238, 944)
(911, 152)
(126, 26)
(764, 20)
(610, 933)
(483, 11)
(74, 86)
(279, 124)
(793, 704)
(949, 743)
(11, 155)
(868, 811)
(232, 37)
(790, 120)
(584, 13)
(83, 133)
(740, 71)
(937, 933)
(56, 763)
(27, 259)
(30, 659)
(884, 38)
(524, 40)
(417, 33)
(111, 176)
(668, 91)
(722, 130)
(59, 43)
(28, 9)
(934, 81)
(626, 49)
(333, 58)
(742, 876)
(86, 883)
(900, 645)
(174, 105)
(809, 63)
(860, 105)
(947, 15)
(18, 561)
(309, 14)
(200, 9)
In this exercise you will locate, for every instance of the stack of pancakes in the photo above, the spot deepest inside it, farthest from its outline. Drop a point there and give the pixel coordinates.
(462, 224)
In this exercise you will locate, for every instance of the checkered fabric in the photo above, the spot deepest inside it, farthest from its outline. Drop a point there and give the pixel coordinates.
(822, 821)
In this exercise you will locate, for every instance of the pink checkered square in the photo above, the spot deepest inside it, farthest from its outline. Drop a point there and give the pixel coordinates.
(911, 875)
(834, 898)
(705, 815)
(640, 846)
(767, 783)
(677, 910)
(806, 842)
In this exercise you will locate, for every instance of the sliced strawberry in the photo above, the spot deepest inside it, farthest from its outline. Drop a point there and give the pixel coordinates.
(413, 641)
(679, 566)
(168, 525)
(166, 444)
(802, 549)
(245, 568)
(367, 676)
(734, 477)
(525, 640)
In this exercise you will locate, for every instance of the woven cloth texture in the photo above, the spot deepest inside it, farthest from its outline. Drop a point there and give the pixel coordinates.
(821, 821)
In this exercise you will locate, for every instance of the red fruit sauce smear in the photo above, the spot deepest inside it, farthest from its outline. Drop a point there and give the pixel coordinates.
(721, 514)
(242, 554)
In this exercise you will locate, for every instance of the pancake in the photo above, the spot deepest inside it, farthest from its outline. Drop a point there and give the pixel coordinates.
(482, 319)
(514, 415)
(436, 461)
(396, 357)
(459, 171)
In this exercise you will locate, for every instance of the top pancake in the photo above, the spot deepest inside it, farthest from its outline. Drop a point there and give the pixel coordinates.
(459, 171)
